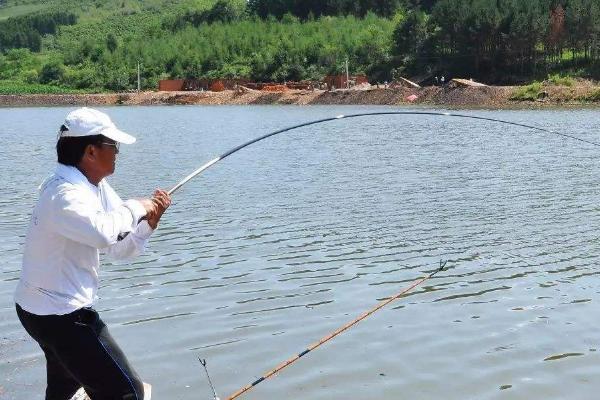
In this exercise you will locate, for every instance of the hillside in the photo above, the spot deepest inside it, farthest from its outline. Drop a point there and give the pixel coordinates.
(70, 46)
(177, 39)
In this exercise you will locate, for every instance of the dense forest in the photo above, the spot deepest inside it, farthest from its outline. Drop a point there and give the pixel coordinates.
(93, 45)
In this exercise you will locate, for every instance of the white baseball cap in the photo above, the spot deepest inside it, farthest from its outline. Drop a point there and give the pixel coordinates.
(88, 122)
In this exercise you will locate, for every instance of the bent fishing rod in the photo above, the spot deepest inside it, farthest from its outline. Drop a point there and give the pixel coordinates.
(323, 120)
(385, 302)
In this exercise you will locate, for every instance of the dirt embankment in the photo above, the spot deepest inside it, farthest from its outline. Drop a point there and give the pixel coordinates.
(477, 97)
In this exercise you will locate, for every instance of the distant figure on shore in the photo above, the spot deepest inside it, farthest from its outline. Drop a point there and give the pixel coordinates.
(443, 80)
(437, 81)
(78, 214)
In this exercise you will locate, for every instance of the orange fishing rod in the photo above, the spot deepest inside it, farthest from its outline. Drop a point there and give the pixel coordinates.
(328, 337)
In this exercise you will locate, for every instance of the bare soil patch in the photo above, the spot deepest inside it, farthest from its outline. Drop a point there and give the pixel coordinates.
(452, 97)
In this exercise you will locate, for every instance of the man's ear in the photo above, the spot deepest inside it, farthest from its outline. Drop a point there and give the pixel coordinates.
(90, 152)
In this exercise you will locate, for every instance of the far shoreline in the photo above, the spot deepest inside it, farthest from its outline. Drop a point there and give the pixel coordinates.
(487, 97)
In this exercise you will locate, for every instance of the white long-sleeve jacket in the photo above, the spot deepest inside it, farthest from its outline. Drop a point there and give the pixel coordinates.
(71, 222)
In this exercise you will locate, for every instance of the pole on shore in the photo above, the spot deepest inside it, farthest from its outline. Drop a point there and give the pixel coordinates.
(347, 75)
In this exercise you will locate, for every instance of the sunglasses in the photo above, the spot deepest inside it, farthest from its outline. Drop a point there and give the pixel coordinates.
(115, 145)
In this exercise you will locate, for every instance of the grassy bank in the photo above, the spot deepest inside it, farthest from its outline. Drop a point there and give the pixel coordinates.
(22, 88)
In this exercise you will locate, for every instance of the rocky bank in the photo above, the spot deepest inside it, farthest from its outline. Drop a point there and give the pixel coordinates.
(450, 97)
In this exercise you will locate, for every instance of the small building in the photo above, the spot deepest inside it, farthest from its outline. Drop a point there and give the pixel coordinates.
(171, 85)
(341, 82)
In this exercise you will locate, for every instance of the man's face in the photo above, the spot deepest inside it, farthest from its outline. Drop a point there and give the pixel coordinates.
(106, 154)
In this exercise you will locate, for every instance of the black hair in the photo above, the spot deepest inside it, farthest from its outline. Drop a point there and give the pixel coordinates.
(70, 150)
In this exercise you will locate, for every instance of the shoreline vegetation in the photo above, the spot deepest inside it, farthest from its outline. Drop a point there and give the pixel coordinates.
(536, 95)
(76, 47)
(532, 53)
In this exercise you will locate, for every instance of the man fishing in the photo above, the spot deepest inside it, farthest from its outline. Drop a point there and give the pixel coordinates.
(77, 215)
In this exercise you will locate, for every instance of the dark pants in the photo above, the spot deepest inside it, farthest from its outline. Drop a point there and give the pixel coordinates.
(80, 352)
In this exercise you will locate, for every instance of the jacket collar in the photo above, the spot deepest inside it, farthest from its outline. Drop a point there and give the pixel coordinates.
(74, 176)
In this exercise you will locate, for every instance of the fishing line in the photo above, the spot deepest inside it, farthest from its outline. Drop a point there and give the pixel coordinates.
(203, 362)
(320, 121)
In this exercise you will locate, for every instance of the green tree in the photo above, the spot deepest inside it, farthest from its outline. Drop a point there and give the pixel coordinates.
(525, 25)
(410, 34)
(52, 72)
(111, 42)
(581, 19)
(223, 11)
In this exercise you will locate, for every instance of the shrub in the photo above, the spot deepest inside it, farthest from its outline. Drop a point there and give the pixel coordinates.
(82, 78)
(30, 76)
(594, 96)
(558, 80)
(111, 42)
(52, 72)
(528, 93)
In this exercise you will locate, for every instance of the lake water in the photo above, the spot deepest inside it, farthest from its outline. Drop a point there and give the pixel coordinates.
(289, 239)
